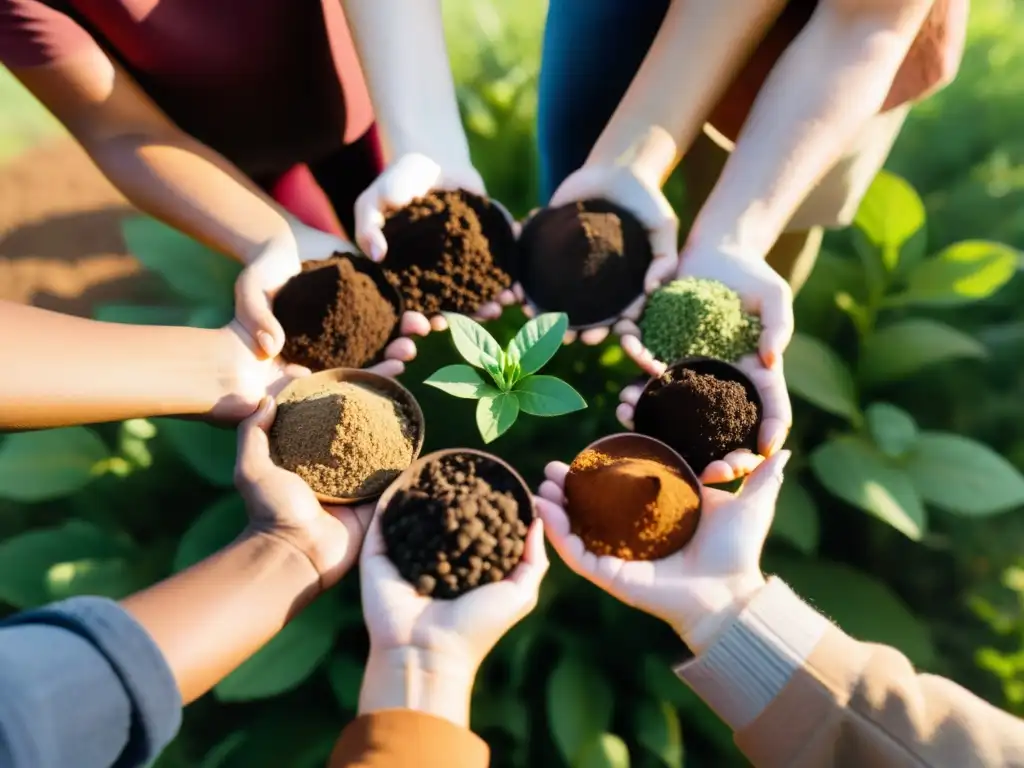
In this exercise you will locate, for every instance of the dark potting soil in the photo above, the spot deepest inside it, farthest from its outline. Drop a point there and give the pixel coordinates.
(586, 259)
(334, 316)
(460, 525)
(701, 416)
(449, 252)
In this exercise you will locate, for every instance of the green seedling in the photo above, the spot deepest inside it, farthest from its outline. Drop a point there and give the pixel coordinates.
(514, 386)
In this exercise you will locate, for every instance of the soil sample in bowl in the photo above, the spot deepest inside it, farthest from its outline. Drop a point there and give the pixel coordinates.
(348, 441)
(631, 508)
(587, 259)
(700, 415)
(461, 524)
(449, 252)
(334, 316)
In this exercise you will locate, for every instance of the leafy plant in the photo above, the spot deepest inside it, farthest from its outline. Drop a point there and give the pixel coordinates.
(515, 386)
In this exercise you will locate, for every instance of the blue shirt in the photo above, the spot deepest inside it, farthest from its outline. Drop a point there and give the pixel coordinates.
(83, 685)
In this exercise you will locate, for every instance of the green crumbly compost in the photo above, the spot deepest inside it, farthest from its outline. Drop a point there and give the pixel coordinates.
(698, 318)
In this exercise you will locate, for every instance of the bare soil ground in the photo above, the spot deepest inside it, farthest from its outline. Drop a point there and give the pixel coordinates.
(60, 233)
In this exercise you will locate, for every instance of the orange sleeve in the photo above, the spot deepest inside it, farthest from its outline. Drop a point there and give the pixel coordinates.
(401, 738)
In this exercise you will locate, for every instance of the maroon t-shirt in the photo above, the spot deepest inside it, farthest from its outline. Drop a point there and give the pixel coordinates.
(267, 83)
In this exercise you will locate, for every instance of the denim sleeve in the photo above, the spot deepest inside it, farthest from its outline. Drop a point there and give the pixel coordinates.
(82, 684)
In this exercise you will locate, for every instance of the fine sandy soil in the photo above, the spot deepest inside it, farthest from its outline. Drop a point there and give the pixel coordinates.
(60, 233)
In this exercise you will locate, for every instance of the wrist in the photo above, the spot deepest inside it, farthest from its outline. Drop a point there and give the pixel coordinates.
(283, 563)
(412, 678)
(646, 150)
(715, 610)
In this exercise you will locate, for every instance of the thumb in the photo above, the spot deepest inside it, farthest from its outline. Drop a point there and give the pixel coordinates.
(370, 225)
(254, 312)
(777, 319)
(662, 270)
(760, 494)
(253, 443)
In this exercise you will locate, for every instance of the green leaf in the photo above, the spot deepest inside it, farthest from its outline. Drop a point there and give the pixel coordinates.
(859, 603)
(579, 702)
(461, 381)
(503, 712)
(548, 396)
(115, 578)
(906, 347)
(796, 517)
(216, 527)
(290, 657)
(539, 340)
(889, 215)
(854, 471)
(346, 677)
(192, 270)
(604, 751)
(217, 757)
(141, 315)
(27, 560)
(208, 450)
(36, 466)
(495, 414)
(656, 724)
(893, 430)
(963, 476)
(963, 273)
(474, 343)
(817, 374)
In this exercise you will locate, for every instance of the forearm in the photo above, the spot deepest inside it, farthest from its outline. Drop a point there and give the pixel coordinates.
(210, 618)
(698, 51)
(405, 61)
(104, 371)
(831, 80)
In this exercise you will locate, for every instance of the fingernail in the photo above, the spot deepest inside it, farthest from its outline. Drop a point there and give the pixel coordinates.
(266, 342)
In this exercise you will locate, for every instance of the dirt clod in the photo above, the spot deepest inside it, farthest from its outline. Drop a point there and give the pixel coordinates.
(334, 316)
(701, 416)
(459, 525)
(448, 252)
(346, 441)
(632, 508)
(586, 259)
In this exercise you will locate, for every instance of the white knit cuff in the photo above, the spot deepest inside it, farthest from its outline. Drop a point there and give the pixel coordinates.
(755, 657)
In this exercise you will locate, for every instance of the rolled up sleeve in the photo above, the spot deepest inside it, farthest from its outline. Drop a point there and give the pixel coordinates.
(83, 685)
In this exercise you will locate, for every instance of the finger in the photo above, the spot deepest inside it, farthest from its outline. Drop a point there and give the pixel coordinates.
(569, 337)
(517, 290)
(489, 311)
(254, 312)
(627, 327)
(531, 569)
(665, 237)
(556, 471)
(661, 271)
(507, 298)
(414, 324)
(757, 498)
(401, 349)
(633, 312)
(594, 336)
(642, 356)
(717, 472)
(777, 319)
(253, 443)
(624, 414)
(552, 492)
(438, 324)
(568, 546)
(631, 395)
(356, 521)
(370, 225)
(775, 403)
(373, 543)
(772, 436)
(389, 368)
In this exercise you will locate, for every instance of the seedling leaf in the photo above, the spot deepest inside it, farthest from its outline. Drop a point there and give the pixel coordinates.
(539, 340)
(461, 381)
(495, 414)
(474, 343)
(548, 396)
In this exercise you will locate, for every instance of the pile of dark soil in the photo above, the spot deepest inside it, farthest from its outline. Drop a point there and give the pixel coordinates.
(449, 252)
(346, 441)
(460, 524)
(586, 259)
(634, 508)
(703, 416)
(335, 315)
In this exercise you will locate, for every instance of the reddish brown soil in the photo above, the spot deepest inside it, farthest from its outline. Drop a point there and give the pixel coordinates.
(60, 234)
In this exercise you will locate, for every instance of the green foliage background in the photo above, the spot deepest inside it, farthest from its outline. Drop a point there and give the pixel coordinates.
(899, 517)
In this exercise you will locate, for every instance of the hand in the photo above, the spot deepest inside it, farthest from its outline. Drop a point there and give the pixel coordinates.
(641, 196)
(277, 263)
(246, 377)
(698, 589)
(777, 416)
(444, 641)
(280, 504)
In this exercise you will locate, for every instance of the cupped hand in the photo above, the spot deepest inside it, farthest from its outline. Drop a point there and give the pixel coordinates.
(449, 633)
(698, 589)
(277, 263)
(246, 376)
(776, 419)
(281, 504)
(411, 176)
(627, 187)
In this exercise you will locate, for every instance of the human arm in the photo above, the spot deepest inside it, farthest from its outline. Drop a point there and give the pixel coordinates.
(424, 656)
